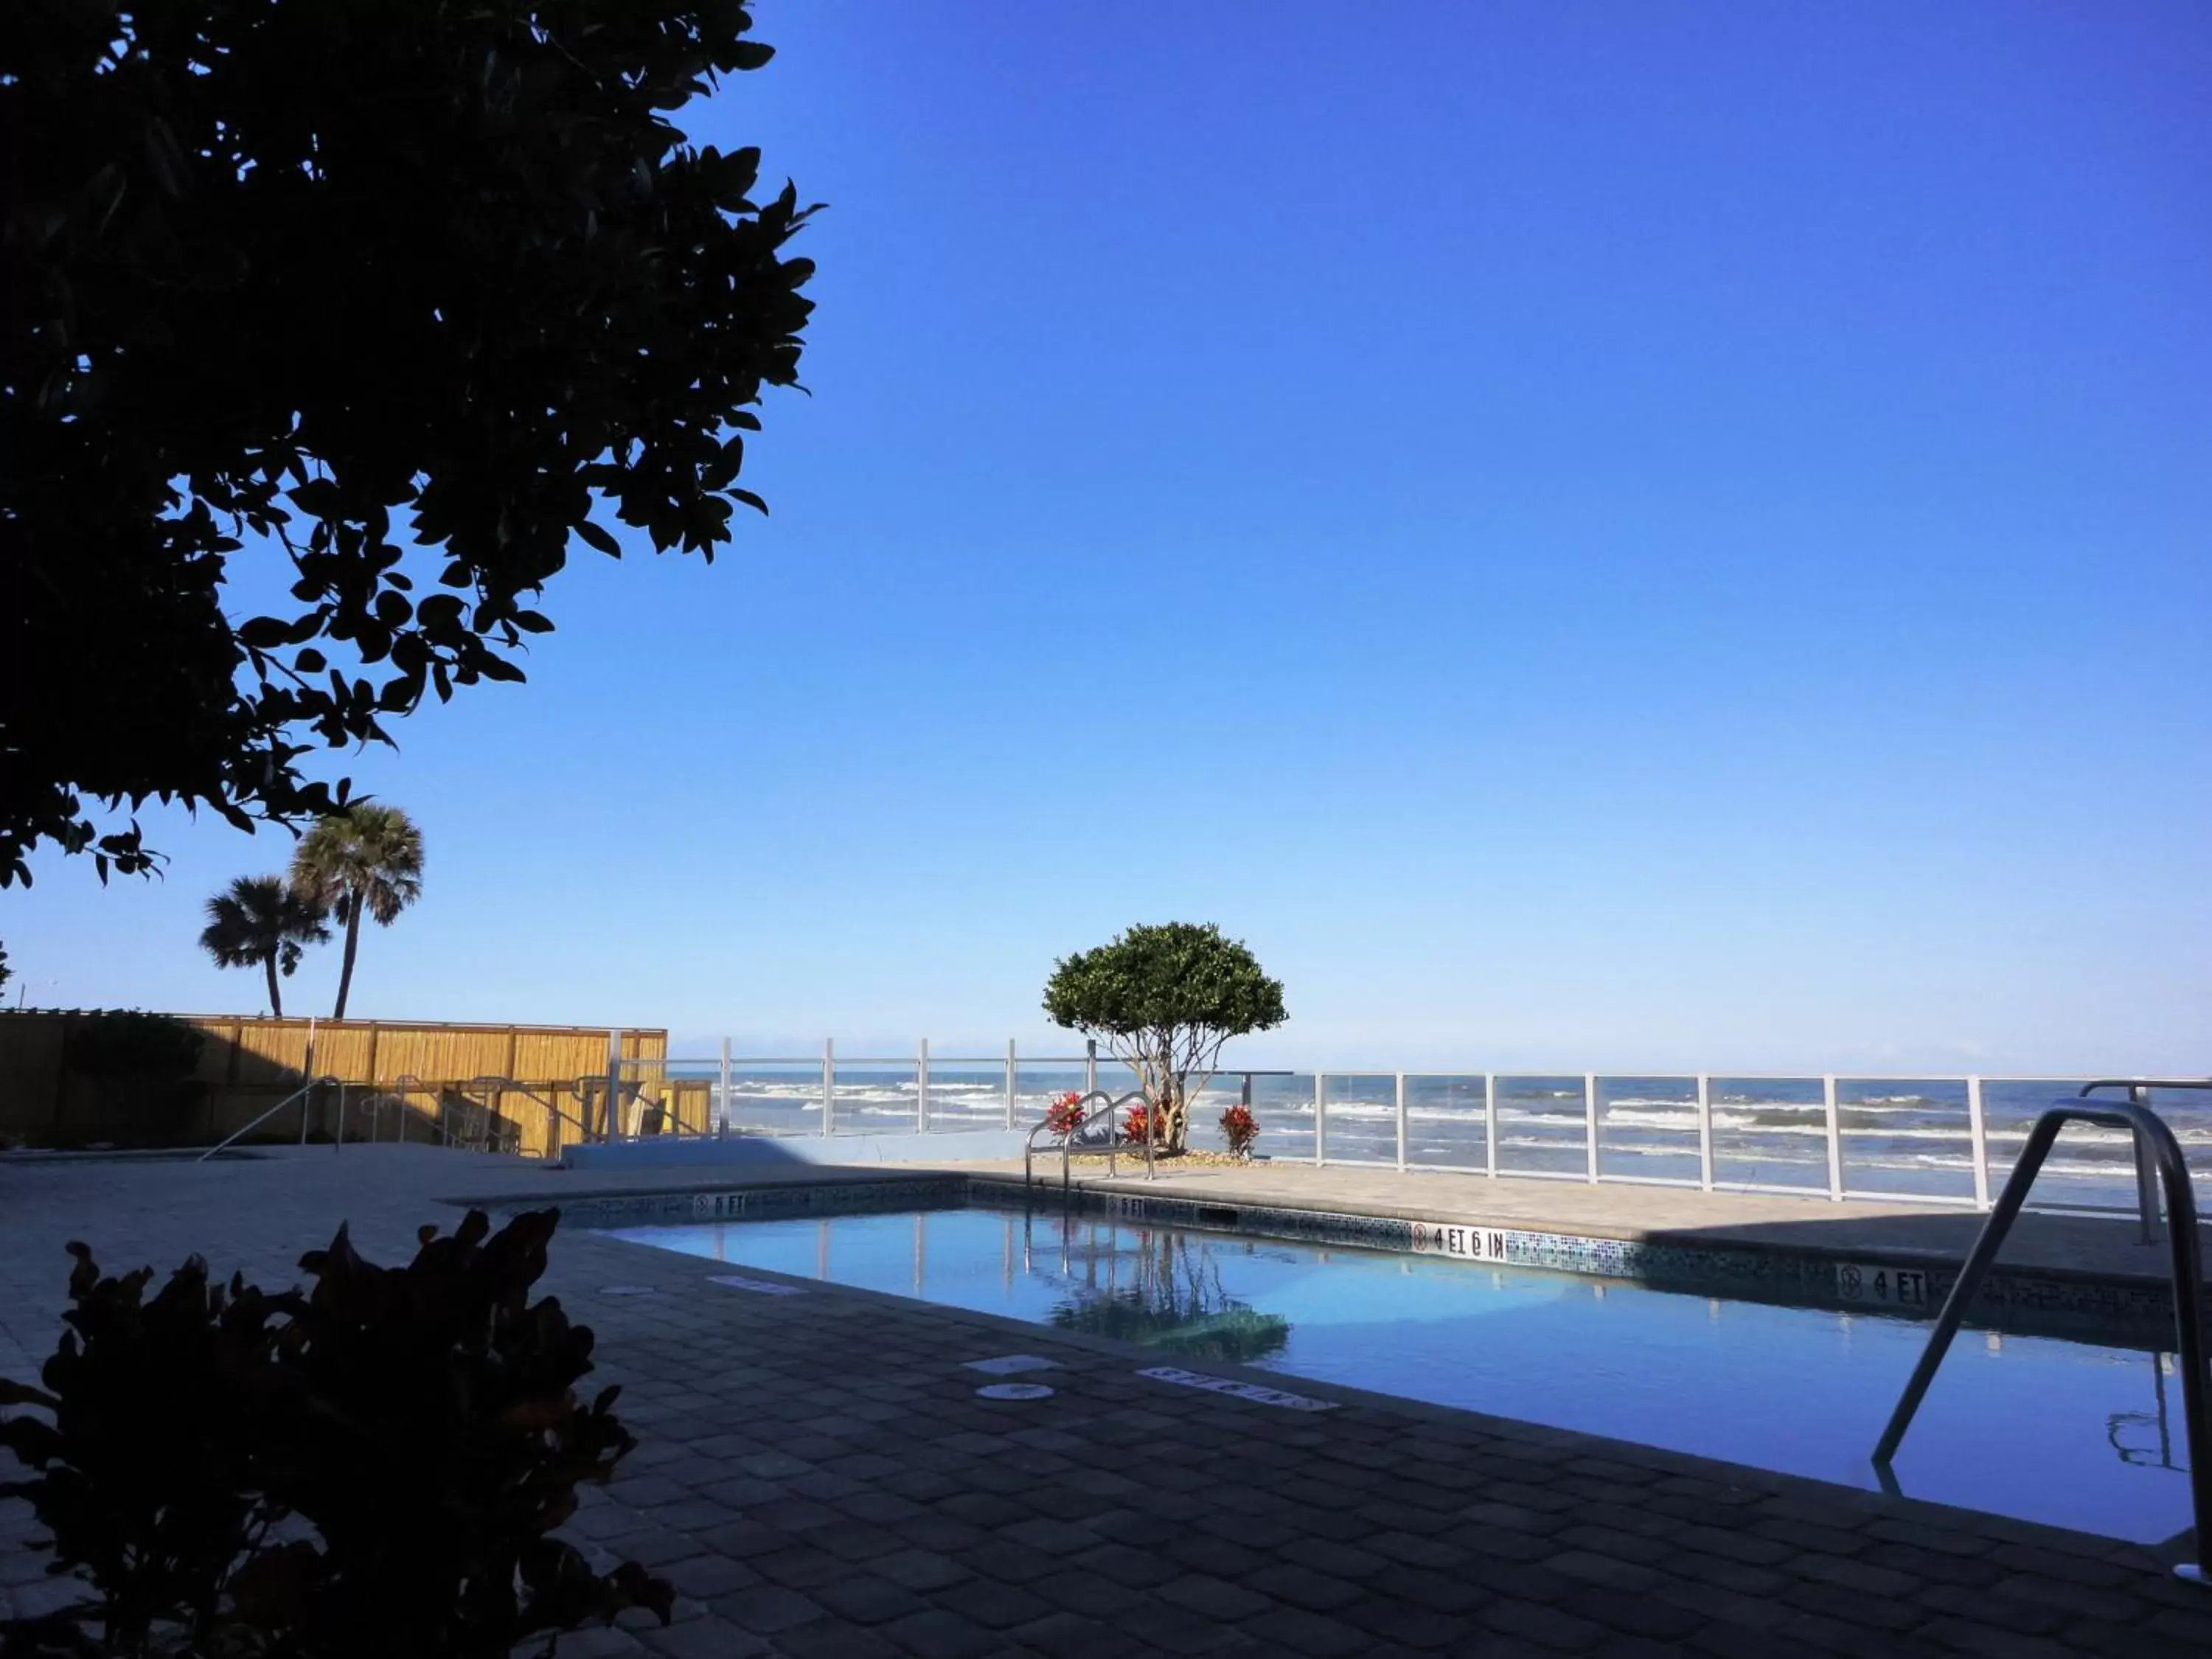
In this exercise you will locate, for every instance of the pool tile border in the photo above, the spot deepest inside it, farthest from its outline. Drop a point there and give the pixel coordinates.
(607, 1211)
(2058, 1305)
(2135, 1312)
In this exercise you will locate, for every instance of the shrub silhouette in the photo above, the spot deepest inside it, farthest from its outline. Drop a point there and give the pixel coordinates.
(370, 1467)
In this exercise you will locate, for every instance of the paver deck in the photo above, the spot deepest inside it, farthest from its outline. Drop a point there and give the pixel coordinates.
(818, 1476)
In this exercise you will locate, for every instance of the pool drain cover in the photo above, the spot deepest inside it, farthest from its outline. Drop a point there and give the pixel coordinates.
(1013, 1391)
(1011, 1363)
(627, 1290)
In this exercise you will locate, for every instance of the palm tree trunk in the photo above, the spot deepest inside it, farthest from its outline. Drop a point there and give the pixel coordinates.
(276, 997)
(353, 940)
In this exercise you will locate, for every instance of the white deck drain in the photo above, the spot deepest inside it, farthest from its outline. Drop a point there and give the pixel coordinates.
(1013, 1391)
(629, 1290)
(1010, 1364)
(1229, 1385)
(758, 1286)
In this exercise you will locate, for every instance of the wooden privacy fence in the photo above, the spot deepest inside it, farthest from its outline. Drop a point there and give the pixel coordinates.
(526, 1087)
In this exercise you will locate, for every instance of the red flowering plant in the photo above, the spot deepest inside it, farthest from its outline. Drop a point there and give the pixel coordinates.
(1239, 1128)
(1134, 1126)
(1065, 1115)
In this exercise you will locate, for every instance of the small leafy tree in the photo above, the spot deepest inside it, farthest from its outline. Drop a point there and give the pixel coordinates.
(260, 922)
(1164, 1000)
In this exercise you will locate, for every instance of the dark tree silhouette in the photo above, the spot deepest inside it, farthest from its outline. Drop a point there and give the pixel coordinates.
(366, 861)
(259, 921)
(408, 293)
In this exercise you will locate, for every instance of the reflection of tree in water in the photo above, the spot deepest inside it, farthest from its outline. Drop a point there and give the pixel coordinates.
(1177, 1303)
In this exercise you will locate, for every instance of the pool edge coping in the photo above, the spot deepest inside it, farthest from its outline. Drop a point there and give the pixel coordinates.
(1577, 1247)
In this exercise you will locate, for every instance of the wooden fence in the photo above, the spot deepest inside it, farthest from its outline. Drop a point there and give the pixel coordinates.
(401, 1080)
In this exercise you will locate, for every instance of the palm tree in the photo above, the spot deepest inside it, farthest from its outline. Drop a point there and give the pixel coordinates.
(366, 859)
(262, 921)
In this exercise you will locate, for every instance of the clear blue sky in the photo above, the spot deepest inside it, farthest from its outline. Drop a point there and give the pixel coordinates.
(1621, 534)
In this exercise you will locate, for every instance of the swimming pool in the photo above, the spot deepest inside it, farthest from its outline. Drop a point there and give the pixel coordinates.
(2069, 1433)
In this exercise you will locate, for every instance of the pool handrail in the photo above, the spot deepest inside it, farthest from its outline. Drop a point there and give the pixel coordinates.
(2154, 1137)
(306, 1088)
(503, 1084)
(441, 1129)
(1113, 1105)
(2138, 1090)
(611, 1091)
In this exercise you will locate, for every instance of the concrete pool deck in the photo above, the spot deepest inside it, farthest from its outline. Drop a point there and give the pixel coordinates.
(818, 1476)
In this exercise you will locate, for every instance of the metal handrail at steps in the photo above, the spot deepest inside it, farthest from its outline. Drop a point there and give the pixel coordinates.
(300, 1094)
(479, 1134)
(1067, 1140)
(2155, 1145)
(618, 1099)
(630, 1105)
(555, 1115)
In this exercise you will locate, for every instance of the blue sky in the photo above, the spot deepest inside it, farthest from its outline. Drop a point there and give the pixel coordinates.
(1620, 535)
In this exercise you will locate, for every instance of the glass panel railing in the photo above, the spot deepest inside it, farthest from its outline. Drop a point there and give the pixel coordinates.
(1038, 1083)
(1541, 1126)
(1905, 1138)
(774, 1099)
(968, 1093)
(1896, 1138)
(2090, 1167)
(1283, 1108)
(1444, 1120)
(685, 1090)
(1770, 1132)
(1360, 1115)
(875, 1098)
(1647, 1129)
(2188, 1113)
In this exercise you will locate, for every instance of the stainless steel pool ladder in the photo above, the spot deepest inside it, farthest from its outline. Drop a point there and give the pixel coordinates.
(1111, 1106)
(2155, 1145)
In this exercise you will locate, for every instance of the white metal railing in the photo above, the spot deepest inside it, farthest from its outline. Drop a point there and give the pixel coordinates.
(1914, 1138)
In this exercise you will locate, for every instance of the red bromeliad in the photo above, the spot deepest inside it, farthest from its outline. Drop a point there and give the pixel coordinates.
(1065, 1115)
(1133, 1126)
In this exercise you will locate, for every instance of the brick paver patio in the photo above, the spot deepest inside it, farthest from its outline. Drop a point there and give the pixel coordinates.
(818, 1477)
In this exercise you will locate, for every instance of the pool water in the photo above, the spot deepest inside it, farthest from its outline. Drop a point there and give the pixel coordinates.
(2064, 1433)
